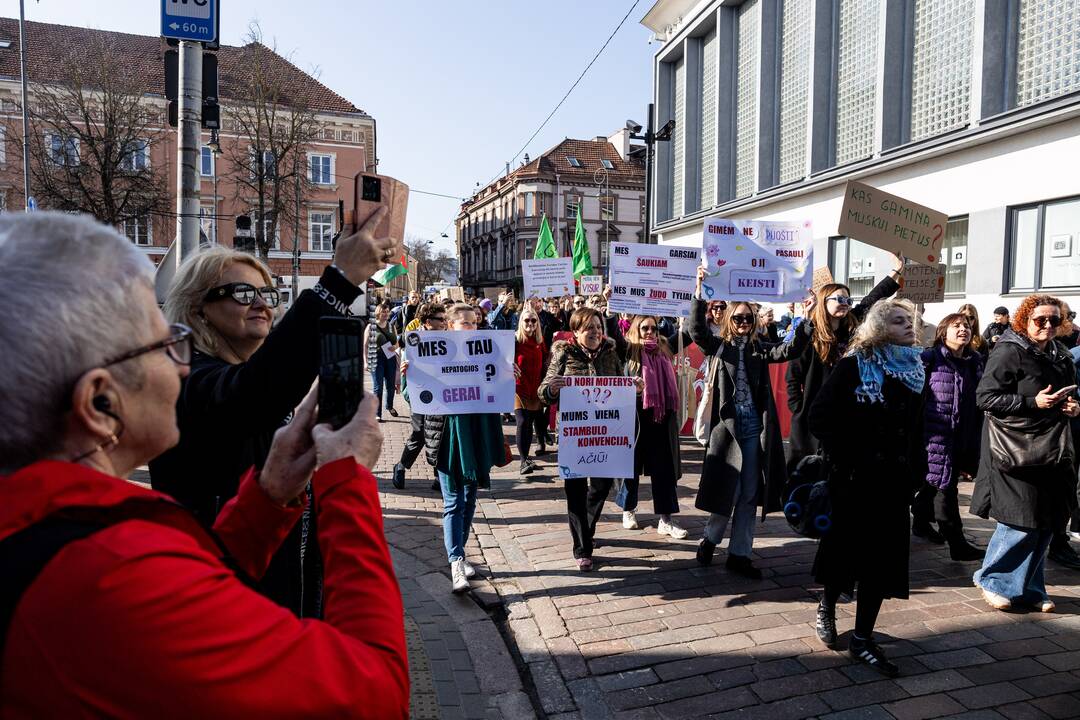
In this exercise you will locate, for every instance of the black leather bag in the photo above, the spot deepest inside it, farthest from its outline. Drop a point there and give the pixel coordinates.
(807, 505)
(1021, 444)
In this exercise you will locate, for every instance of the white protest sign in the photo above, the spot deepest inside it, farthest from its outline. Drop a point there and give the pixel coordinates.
(462, 372)
(592, 284)
(758, 260)
(597, 423)
(549, 277)
(652, 279)
(923, 283)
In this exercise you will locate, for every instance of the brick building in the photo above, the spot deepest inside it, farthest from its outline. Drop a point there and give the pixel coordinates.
(345, 145)
(498, 225)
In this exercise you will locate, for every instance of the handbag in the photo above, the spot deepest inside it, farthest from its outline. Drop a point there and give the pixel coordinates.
(807, 505)
(703, 415)
(1020, 444)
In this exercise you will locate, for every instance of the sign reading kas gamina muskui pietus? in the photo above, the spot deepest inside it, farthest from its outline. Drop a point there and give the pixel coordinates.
(597, 423)
(460, 372)
(892, 223)
(758, 260)
(652, 279)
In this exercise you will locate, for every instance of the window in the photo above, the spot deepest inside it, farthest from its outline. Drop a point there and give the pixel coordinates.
(607, 207)
(794, 88)
(708, 121)
(574, 162)
(607, 164)
(941, 66)
(269, 166)
(3, 145)
(321, 230)
(275, 243)
(954, 255)
(530, 200)
(857, 264)
(1048, 50)
(321, 169)
(604, 251)
(137, 156)
(1045, 246)
(573, 202)
(64, 150)
(138, 230)
(677, 139)
(856, 79)
(746, 122)
(207, 221)
(206, 161)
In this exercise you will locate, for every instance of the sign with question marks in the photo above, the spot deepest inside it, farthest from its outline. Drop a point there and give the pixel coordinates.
(460, 372)
(597, 427)
(758, 260)
(892, 223)
(923, 283)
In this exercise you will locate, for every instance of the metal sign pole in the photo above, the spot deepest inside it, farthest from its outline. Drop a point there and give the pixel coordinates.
(187, 151)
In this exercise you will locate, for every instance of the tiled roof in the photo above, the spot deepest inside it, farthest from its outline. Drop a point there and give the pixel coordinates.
(47, 43)
(588, 153)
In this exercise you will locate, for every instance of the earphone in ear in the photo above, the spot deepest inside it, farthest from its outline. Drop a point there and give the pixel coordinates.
(101, 403)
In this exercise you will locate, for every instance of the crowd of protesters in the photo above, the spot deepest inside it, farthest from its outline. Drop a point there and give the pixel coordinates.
(260, 546)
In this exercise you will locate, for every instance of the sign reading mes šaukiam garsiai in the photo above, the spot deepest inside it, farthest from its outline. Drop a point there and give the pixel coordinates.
(460, 372)
(597, 424)
(758, 260)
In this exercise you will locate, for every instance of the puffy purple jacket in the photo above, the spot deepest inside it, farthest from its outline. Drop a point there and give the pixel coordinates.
(953, 423)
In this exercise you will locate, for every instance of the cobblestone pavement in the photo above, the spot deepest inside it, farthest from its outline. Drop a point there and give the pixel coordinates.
(651, 634)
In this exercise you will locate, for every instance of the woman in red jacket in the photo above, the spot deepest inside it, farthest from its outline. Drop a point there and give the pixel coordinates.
(137, 614)
(530, 356)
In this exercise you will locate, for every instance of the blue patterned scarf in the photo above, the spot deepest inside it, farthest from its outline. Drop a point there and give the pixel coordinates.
(898, 361)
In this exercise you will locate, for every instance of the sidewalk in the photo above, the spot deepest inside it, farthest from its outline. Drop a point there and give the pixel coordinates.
(652, 635)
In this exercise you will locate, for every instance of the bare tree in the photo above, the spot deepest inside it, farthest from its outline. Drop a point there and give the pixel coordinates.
(91, 136)
(430, 266)
(275, 126)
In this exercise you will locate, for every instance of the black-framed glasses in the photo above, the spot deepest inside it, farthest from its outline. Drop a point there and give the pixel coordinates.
(244, 293)
(177, 346)
(742, 319)
(1052, 320)
(841, 299)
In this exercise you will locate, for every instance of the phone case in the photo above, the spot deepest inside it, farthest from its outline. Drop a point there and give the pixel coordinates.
(395, 196)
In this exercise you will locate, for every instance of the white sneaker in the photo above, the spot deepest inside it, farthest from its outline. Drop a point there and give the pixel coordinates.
(668, 527)
(1073, 535)
(457, 576)
(470, 571)
(629, 520)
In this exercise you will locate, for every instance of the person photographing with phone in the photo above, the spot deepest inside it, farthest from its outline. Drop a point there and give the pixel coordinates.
(118, 601)
(245, 381)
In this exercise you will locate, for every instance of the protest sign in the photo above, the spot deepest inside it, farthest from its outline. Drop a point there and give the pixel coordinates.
(455, 293)
(892, 223)
(592, 284)
(923, 283)
(822, 277)
(758, 260)
(597, 422)
(652, 279)
(549, 277)
(462, 372)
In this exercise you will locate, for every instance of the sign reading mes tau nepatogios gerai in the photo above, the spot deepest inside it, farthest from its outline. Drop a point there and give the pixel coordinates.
(460, 372)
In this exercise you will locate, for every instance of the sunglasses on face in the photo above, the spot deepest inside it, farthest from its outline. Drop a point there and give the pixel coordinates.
(648, 328)
(742, 319)
(244, 293)
(529, 321)
(1051, 320)
(840, 299)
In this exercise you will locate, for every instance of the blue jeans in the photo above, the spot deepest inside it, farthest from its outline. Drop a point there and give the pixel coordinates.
(458, 510)
(744, 511)
(384, 374)
(1014, 563)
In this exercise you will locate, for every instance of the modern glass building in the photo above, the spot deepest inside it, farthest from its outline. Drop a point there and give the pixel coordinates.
(970, 107)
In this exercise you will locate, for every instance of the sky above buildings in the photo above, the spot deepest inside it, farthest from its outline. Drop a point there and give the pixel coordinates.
(456, 87)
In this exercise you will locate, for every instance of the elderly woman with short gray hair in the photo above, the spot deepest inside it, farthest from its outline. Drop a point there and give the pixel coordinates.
(245, 381)
(115, 596)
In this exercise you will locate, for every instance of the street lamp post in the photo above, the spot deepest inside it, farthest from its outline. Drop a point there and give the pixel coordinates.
(25, 108)
(215, 151)
(650, 138)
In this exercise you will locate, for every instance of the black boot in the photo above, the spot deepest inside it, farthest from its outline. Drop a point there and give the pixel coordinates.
(1062, 554)
(826, 624)
(868, 652)
(399, 476)
(705, 550)
(927, 532)
(741, 565)
(959, 548)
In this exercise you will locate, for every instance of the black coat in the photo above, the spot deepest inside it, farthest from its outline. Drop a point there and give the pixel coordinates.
(878, 460)
(1016, 372)
(227, 416)
(806, 375)
(723, 459)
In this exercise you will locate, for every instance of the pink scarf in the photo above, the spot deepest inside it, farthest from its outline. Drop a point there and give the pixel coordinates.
(658, 373)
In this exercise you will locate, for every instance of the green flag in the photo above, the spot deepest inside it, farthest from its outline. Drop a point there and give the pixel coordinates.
(582, 260)
(545, 244)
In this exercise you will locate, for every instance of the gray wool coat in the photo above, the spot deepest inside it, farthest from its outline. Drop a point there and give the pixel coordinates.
(723, 458)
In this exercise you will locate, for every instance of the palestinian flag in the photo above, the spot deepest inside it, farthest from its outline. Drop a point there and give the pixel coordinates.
(388, 273)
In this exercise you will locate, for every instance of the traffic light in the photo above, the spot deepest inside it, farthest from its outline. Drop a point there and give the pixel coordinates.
(211, 112)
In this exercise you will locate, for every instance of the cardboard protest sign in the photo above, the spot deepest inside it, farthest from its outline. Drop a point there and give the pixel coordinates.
(822, 277)
(652, 279)
(923, 283)
(597, 423)
(758, 260)
(892, 223)
(591, 285)
(549, 277)
(462, 372)
(455, 293)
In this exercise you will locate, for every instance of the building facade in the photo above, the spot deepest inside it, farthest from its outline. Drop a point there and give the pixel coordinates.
(498, 226)
(345, 146)
(970, 107)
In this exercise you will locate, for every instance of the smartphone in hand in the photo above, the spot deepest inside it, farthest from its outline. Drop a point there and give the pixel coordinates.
(341, 369)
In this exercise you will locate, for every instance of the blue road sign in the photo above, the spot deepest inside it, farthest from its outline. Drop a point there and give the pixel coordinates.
(189, 19)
